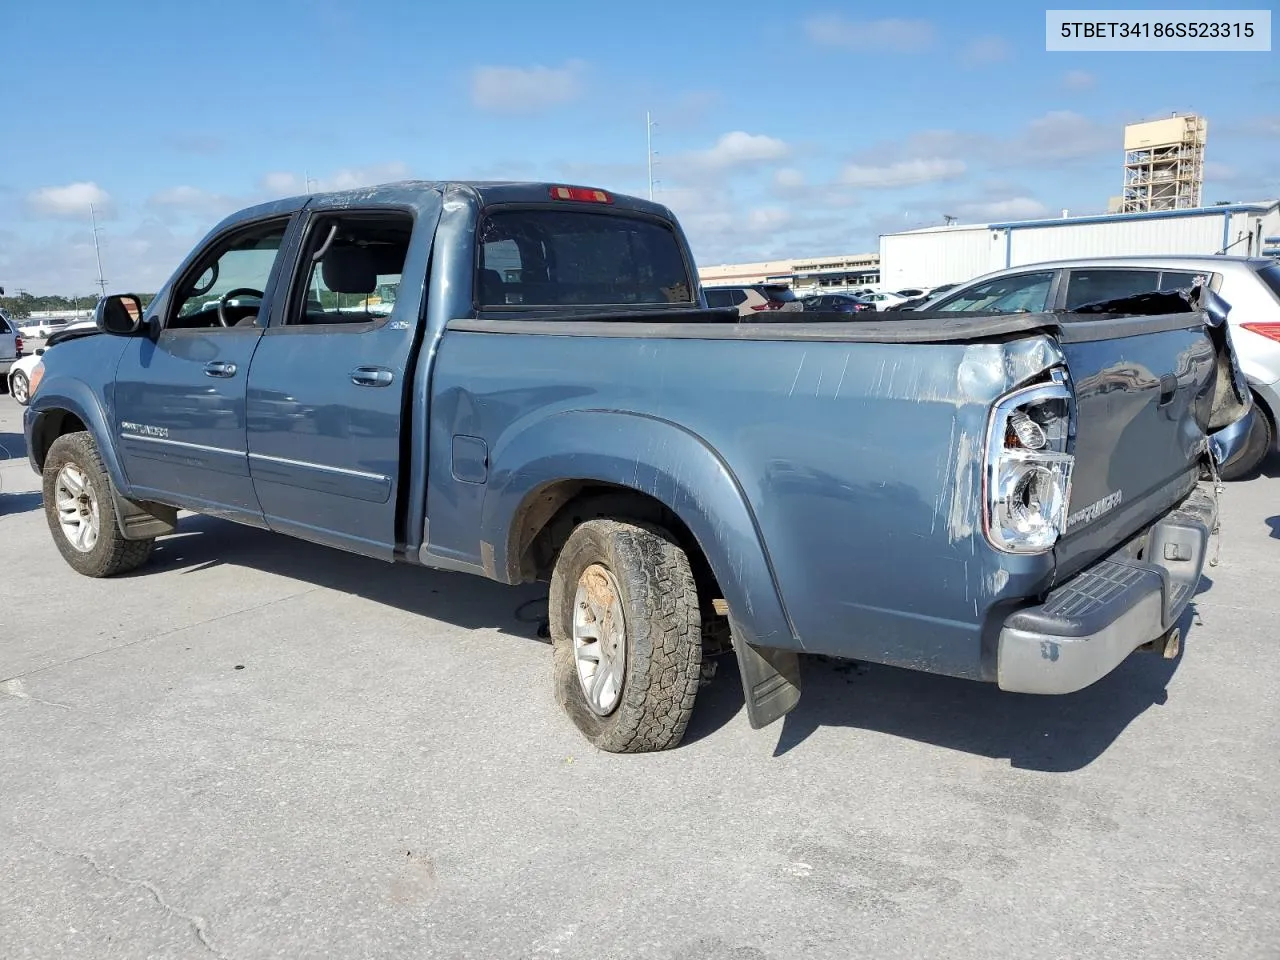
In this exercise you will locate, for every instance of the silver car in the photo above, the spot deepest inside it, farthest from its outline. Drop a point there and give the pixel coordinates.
(1251, 285)
(10, 344)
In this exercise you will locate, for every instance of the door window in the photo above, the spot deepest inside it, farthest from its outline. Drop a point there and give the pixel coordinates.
(226, 286)
(719, 298)
(1020, 293)
(1171, 280)
(1094, 285)
(352, 267)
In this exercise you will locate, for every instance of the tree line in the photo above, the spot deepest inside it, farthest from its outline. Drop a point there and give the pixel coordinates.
(25, 304)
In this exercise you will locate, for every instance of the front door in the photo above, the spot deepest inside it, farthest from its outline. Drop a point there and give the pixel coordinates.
(327, 386)
(180, 397)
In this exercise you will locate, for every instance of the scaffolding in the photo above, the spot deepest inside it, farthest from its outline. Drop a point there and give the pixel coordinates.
(1164, 164)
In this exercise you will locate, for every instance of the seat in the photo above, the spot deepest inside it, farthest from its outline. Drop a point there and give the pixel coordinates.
(491, 287)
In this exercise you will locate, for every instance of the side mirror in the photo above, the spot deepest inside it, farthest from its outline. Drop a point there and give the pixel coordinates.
(119, 314)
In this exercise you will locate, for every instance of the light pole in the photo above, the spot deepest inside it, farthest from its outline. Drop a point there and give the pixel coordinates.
(97, 250)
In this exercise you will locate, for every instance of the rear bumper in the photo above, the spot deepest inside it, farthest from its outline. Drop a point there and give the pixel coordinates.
(1087, 626)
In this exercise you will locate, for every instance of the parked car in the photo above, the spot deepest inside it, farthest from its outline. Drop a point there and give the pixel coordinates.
(550, 399)
(911, 293)
(754, 298)
(23, 376)
(41, 329)
(882, 301)
(835, 303)
(10, 344)
(1250, 285)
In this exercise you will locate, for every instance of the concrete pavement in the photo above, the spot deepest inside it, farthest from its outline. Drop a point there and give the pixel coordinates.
(257, 748)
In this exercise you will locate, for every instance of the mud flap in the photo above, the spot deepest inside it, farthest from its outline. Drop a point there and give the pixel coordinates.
(143, 520)
(770, 681)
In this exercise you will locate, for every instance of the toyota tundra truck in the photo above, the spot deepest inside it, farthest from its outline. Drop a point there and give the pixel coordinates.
(1014, 499)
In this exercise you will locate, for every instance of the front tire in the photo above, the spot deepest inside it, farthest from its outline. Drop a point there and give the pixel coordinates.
(1256, 447)
(81, 513)
(627, 635)
(19, 388)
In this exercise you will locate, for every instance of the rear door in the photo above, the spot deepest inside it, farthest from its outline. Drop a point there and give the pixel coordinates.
(326, 401)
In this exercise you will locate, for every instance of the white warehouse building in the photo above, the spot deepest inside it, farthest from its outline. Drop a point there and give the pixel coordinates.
(932, 256)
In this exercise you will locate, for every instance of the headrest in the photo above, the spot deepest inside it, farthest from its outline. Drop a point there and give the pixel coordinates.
(349, 270)
(491, 287)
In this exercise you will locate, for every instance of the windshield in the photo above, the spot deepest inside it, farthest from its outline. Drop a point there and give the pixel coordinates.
(560, 258)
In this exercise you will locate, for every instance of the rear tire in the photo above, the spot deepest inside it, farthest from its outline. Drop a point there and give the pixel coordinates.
(648, 665)
(81, 513)
(1256, 447)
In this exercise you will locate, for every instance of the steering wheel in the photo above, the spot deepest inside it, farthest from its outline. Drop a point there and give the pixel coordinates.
(222, 301)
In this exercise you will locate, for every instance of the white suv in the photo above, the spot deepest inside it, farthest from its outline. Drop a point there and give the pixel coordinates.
(10, 345)
(1251, 285)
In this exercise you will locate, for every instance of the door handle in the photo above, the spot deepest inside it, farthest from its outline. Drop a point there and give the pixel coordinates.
(217, 368)
(1168, 389)
(371, 377)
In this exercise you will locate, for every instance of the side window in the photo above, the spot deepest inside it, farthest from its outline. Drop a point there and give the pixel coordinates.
(1086, 286)
(719, 298)
(1171, 280)
(351, 269)
(1021, 293)
(227, 284)
(739, 297)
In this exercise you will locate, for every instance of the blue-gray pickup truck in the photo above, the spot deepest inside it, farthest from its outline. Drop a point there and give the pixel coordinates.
(523, 381)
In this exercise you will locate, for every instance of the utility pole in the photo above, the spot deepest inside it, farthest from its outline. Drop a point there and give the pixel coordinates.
(648, 139)
(93, 216)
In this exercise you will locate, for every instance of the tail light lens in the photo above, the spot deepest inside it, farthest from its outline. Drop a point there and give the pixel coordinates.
(767, 305)
(17, 344)
(1269, 330)
(1027, 476)
(37, 374)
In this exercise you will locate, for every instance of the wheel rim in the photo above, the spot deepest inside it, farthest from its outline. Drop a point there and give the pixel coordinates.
(599, 639)
(77, 505)
(19, 388)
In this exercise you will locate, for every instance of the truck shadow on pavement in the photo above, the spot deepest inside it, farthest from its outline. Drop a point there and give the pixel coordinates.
(13, 446)
(464, 600)
(11, 503)
(1052, 734)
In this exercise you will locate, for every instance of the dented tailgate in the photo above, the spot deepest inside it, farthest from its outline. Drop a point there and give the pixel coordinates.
(1145, 395)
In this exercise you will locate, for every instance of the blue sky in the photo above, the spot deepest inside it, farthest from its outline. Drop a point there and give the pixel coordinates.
(783, 129)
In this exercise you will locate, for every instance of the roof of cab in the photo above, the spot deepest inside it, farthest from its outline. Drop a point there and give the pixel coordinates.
(485, 192)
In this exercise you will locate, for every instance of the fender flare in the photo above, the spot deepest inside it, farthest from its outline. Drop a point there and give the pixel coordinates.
(665, 461)
(74, 397)
(136, 520)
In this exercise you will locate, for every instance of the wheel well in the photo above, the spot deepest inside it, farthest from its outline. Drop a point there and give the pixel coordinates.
(52, 425)
(550, 515)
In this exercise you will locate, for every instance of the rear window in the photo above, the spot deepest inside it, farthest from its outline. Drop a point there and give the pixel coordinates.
(573, 258)
(778, 294)
(1093, 286)
(1270, 277)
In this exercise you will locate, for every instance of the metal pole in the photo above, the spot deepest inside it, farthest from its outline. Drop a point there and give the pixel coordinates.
(648, 139)
(93, 215)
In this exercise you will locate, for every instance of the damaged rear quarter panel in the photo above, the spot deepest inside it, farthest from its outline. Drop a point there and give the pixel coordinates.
(860, 462)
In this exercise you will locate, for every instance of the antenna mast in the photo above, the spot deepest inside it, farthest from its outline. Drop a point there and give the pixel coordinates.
(97, 250)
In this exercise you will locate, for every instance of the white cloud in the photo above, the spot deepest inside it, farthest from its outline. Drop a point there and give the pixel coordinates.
(788, 178)
(287, 183)
(985, 50)
(525, 89)
(1078, 80)
(69, 201)
(871, 36)
(739, 149)
(1064, 135)
(904, 173)
(1014, 208)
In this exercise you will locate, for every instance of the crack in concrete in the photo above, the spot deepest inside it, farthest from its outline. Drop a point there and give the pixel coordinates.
(13, 688)
(198, 924)
(159, 636)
